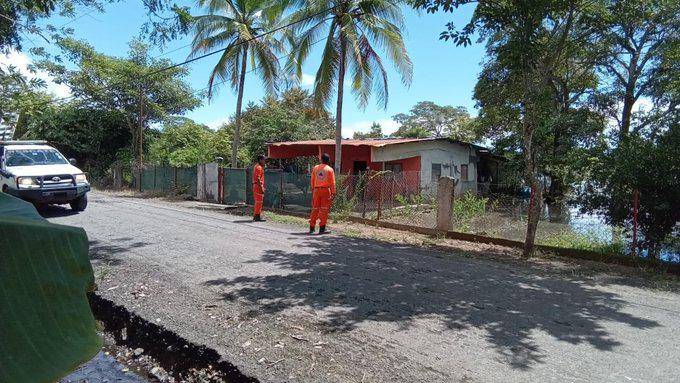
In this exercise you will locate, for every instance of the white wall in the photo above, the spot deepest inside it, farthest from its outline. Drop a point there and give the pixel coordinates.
(449, 154)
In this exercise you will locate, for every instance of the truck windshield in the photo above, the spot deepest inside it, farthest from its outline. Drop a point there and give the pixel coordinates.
(28, 157)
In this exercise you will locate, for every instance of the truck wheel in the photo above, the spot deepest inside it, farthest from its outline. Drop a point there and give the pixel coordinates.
(80, 203)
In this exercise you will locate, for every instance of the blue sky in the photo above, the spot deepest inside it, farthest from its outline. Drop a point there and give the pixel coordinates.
(443, 73)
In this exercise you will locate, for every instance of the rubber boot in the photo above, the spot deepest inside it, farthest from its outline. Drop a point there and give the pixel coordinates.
(322, 230)
(258, 218)
(311, 229)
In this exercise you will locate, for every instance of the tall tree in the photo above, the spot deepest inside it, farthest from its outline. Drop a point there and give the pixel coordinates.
(116, 84)
(436, 121)
(353, 30)
(633, 34)
(234, 25)
(527, 40)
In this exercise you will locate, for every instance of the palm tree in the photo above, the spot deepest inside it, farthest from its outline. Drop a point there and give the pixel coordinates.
(353, 30)
(235, 24)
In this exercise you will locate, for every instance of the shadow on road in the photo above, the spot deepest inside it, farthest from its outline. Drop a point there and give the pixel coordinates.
(107, 253)
(355, 281)
(54, 211)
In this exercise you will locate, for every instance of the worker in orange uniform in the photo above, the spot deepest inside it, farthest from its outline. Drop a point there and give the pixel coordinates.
(258, 189)
(323, 192)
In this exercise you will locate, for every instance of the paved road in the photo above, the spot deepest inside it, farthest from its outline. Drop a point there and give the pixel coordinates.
(286, 307)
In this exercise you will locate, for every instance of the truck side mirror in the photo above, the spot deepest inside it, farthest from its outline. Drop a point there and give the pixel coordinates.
(72, 161)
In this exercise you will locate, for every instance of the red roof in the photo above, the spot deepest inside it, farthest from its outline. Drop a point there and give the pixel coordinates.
(370, 142)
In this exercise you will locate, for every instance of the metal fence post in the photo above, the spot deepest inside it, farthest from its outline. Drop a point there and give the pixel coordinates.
(636, 196)
(380, 197)
(364, 184)
(281, 204)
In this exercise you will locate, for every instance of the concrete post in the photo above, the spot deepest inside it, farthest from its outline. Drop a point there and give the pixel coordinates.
(445, 189)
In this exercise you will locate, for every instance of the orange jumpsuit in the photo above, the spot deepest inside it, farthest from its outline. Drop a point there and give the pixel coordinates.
(323, 191)
(258, 189)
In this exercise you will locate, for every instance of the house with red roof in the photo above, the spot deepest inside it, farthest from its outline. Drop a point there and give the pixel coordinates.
(473, 166)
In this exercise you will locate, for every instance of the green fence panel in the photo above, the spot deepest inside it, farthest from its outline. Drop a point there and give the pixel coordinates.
(187, 179)
(297, 192)
(272, 184)
(148, 177)
(234, 186)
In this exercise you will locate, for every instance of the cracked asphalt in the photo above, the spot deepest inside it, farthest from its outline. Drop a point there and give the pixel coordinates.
(286, 307)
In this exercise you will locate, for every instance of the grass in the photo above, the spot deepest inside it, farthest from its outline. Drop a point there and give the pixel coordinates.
(572, 240)
(286, 219)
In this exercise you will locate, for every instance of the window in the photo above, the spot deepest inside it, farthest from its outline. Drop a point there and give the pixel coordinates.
(28, 157)
(394, 168)
(463, 172)
(436, 172)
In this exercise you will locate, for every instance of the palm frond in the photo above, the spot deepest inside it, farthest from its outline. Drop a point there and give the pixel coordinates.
(324, 84)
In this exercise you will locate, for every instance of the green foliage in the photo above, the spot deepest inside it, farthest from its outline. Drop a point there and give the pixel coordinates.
(466, 208)
(184, 143)
(291, 116)
(233, 25)
(375, 132)
(427, 119)
(345, 201)
(46, 326)
(572, 240)
(105, 117)
(358, 28)
(649, 165)
(20, 100)
(94, 137)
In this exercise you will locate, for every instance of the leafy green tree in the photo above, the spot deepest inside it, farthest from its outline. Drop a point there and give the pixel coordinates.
(118, 84)
(649, 165)
(183, 142)
(633, 36)
(20, 98)
(527, 40)
(567, 130)
(234, 26)
(354, 30)
(427, 119)
(374, 132)
(94, 137)
(290, 117)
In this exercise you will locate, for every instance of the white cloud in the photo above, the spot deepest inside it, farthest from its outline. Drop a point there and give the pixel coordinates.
(22, 63)
(307, 80)
(216, 124)
(388, 127)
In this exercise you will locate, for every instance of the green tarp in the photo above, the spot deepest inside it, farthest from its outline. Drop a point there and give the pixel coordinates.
(46, 326)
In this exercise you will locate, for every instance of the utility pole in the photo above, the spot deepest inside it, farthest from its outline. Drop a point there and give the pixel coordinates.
(140, 148)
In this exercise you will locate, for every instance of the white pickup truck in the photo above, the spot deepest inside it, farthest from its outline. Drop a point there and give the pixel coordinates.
(38, 173)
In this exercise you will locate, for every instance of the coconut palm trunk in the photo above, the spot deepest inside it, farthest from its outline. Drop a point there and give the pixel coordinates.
(338, 110)
(239, 105)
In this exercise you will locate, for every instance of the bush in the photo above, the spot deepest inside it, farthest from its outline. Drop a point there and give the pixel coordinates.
(466, 208)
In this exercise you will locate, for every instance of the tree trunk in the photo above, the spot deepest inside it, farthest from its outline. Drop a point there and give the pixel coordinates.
(338, 110)
(629, 96)
(528, 128)
(533, 214)
(239, 103)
